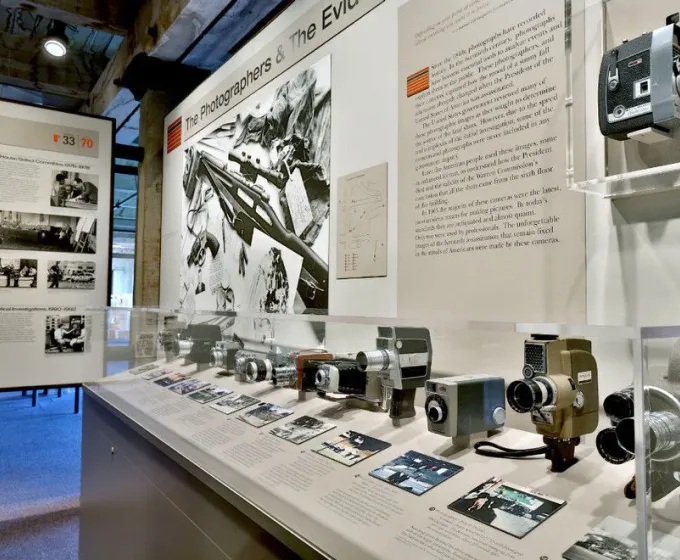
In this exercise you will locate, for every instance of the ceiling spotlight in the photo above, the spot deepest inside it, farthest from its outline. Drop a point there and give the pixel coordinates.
(56, 42)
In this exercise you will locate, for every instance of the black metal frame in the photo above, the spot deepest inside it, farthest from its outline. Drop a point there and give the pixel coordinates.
(34, 392)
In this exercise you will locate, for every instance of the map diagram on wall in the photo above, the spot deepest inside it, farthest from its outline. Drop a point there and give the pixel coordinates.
(256, 210)
(362, 224)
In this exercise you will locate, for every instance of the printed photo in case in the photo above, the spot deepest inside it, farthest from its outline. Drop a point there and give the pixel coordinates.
(302, 429)
(171, 379)
(189, 386)
(513, 509)
(615, 539)
(155, 374)
(143, 369)
(351, 448)
(234, 403)
(210, 394)
(263, 414)
(415, 472)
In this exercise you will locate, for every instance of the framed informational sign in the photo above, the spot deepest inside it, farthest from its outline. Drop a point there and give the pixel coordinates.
(56, 174)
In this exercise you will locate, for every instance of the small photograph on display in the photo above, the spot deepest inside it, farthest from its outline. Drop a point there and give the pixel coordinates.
(46, 232)
(70, 275)
(264, 414)
(171, 379)
(210, 394)
(615, 539)
(155, 374)
(143, 369)
(302, 429)
(66, 334)
(509, 508)
(18, 273)
(415, 472)
(74, 190)
(351, 448)
(189, 386)
(234, 403)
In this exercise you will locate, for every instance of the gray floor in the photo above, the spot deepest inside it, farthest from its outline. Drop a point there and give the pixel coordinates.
(39, 477)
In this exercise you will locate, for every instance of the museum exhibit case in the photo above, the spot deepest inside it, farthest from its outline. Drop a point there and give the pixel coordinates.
(316, 436)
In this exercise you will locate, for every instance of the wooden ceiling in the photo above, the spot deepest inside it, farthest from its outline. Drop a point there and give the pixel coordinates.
(94, 28)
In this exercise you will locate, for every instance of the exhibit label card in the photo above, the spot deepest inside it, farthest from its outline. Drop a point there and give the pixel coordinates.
(485, 221)
(362, 224)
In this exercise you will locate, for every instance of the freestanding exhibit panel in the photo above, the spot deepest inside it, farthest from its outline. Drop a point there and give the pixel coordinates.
(56, 173)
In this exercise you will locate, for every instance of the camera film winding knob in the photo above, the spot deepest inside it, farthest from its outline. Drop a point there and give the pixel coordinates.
(436, 409)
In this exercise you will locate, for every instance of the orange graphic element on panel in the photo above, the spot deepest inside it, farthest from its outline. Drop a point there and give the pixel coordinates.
(175, 135)
(420, 81)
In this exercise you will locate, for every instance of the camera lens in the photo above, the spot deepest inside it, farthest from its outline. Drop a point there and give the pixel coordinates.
(216, 358)
(609, 448)
(619, 405)
(285, 376)
(664, 431)
(525, 396)
(258, 370)
(323, 379)
(625, 434)
(377, 360)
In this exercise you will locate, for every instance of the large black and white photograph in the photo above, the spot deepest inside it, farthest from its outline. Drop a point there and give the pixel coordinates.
(350, 448)
(74, 190)
(21, 231)
(302, 429)
(513, 509)
(18, 273)
(416, 473)
(256, 210)
(66, 334)
(155, 374)
(263, 414)
(234, 403)
(615, 539)
(71, 275)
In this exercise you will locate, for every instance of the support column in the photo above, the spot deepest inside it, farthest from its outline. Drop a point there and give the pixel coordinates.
(153, 108)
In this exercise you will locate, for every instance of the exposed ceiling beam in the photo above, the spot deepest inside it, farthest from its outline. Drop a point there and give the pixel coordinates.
(108, 15)
(153, 20)
(72, 77)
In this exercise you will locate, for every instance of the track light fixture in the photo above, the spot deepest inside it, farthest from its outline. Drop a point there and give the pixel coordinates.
(56, 42)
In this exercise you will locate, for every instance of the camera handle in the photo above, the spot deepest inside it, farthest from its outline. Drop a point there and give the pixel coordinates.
(402, 404)
(559, 451)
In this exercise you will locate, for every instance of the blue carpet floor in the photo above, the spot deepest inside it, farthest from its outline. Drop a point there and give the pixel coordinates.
(39, 477)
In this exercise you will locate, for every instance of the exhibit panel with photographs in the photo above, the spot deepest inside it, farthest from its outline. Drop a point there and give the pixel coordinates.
(71, 275)
(507, 507)
(18, 273)
(256, 205)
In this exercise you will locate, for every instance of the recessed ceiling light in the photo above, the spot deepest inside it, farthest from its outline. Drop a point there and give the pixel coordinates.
(56, 42)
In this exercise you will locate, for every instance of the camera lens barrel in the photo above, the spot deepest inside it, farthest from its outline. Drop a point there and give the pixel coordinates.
(530, 394)
(664, 431)
(619, 405)
(284, 376)
(258, 370)
(610, 449)
(375, 360)
(183, 348)
(217, 358)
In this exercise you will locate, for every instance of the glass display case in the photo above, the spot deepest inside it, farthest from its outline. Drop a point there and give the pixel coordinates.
(570, 432)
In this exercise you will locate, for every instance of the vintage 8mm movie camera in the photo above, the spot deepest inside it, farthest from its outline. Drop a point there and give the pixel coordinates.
(403, 360)
(203, 339)
(616, 445)
(223, 354)
(639, 86)
(560, 390)
(460, 406)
